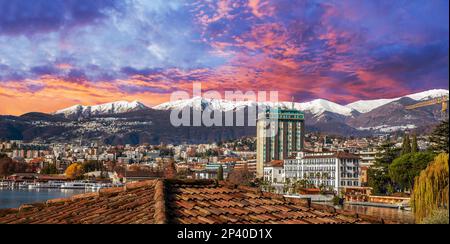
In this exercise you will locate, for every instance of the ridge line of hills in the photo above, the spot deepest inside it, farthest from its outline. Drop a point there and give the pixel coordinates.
(134, 123)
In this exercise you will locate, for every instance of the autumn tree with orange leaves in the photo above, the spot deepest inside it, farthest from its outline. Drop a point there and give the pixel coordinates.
(74, 171)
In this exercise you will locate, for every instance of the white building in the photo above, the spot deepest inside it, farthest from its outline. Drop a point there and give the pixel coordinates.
(332, 169)
(274, 172)
(368, 157)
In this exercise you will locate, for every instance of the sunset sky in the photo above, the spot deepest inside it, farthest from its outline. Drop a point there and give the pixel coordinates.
(54, 54)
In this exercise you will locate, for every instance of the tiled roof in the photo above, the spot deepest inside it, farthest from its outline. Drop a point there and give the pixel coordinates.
(135, 204)
(142, 174)
(341, 155)
(180, 202)
(275, 163)
(347, 155)
(192, 203)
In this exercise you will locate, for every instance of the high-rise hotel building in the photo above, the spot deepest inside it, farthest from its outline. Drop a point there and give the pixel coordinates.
(280, 132)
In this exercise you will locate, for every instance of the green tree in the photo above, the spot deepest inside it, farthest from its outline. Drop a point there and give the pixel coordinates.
(302, 184)
(405, 168)
(406, 146)
(414, 146)
(287, 186)
(220, 173)
(439, 138)
(92, 165)
(430, 194)
(378, 174)
(49, 169)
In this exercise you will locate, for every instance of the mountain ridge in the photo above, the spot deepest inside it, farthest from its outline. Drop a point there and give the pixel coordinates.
(375, 103)
(100, 109)
(125, 122)
(316, 106)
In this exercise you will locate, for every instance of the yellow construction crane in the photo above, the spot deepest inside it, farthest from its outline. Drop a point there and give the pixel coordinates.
(439, 100)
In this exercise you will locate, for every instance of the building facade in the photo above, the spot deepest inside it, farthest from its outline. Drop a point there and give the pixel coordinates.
(274, 172)
(335, 170)
(368, 157)
(280, 132)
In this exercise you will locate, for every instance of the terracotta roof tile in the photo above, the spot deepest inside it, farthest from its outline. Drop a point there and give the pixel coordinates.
(225, 204)
(107, 206)
(183, 202)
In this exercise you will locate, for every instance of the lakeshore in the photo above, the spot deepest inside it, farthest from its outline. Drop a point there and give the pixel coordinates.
(385, 212)
(400, 215)
(14, 197)
(14, 194)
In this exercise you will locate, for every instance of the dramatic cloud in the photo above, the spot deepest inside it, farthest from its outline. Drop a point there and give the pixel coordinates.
(61, 52)
(25, 17)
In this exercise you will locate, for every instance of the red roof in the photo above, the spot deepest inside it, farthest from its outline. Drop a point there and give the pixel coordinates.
(228, 160)
(276, 163)
(36, 160)
(181, 202)
(341, 155)
(52, 177)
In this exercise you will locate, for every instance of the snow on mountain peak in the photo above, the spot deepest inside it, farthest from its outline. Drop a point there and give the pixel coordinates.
(425, 95)
(106, 108)
(364, 106)
(316, 107)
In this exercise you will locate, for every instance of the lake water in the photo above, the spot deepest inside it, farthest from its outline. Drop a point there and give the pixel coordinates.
(395, 214)
(13, 198)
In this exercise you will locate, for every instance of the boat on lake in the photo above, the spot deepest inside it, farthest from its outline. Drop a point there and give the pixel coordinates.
(77, 185)
(4, 184)
(88, 185)
(49, 184)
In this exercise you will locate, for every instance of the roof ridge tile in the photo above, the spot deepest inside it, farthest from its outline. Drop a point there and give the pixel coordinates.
(160, 214)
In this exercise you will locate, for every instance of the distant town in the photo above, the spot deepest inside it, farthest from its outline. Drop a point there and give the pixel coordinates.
(200, 161)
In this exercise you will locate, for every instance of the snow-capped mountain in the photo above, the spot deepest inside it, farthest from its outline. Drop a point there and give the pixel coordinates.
(364, 106)
(142, 125)
(379, 115)
(106, 108)
(201, 103)
(316, 107)
(319, 106)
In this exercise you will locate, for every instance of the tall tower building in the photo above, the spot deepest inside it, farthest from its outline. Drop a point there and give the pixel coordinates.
(280, 132)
